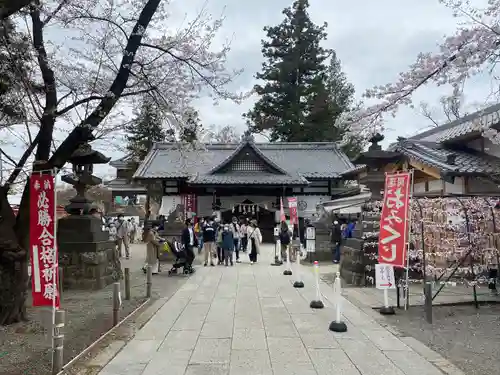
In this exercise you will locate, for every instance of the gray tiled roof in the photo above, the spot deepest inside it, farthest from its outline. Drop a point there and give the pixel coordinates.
(247, 178)
(121, 184)
(455, 162)
(309, 160)
(489, 117)
(122, 163)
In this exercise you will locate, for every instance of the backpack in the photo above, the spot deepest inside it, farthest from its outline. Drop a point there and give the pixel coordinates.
(285, 238)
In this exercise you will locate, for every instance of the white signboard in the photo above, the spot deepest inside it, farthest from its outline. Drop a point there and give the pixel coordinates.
(384, 276)
(276, 231)
(310, 233)
(311, 246)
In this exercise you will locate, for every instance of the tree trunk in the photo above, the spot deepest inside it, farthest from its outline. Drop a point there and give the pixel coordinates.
(14, 234)
(13, 267)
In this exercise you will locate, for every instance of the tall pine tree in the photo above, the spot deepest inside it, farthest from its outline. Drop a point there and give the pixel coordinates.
(305, 91)
(146, 129)
(294, 63)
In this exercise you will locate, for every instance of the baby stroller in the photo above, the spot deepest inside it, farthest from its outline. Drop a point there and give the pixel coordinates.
(180, 259)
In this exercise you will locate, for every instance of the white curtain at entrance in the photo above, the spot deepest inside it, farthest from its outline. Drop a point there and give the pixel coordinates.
(169, 204)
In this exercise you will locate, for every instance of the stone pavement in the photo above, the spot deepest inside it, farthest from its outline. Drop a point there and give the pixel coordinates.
(249, 320)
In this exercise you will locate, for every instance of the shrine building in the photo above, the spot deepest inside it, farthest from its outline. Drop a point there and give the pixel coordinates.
(243, 179)
(454, 158)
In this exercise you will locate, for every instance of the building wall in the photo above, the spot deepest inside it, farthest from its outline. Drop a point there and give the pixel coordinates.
(307, 203)
(479, 185)
(486, 146)
(434, 186)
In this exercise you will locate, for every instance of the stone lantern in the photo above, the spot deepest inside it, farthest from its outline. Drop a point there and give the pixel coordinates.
(88, 257)
(375, 160)
(81, 178)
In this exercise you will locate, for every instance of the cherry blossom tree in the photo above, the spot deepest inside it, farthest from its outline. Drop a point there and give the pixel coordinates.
(473, 49)
(225, 134)
(94, 59)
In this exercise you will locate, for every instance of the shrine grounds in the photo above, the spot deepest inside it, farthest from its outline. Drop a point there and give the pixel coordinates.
(26, 348)
(466, 336)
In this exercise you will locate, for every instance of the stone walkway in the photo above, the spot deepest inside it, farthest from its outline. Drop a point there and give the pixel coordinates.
(249, 320)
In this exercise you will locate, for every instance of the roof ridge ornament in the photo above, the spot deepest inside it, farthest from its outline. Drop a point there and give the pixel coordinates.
(374, 140)
(248, 137)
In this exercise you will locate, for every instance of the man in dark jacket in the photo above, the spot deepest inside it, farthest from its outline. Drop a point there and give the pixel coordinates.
(336, 241)
(189, 240)
(209, 234)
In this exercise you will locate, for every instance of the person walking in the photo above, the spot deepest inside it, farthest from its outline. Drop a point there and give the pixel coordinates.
(244, 234)
(227, 244)
(198, 230)
(189, 241)
(133, 230)
(122, 236)
(284, 236)
(153, 245)
(336, 238)
(254, 241)
(235, 228)
(208, 234)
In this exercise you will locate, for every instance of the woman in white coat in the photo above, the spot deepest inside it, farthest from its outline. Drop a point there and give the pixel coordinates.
(254, 241)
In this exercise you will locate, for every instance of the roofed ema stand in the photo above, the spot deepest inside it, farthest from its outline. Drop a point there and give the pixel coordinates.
(358, 260)
(88, 258)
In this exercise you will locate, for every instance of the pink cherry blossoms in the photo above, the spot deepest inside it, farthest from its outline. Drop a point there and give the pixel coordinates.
(473, 49)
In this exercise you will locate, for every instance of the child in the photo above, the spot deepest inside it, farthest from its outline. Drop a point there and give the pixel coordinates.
(227, 245)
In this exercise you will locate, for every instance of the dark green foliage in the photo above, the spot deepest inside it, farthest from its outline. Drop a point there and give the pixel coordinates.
(15, 55)
(305, 91)
(191, 128)
(146, 129)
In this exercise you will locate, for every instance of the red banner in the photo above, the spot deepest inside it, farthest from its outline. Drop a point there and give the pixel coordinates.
(44, 254)
(282, 211)
(394, 220)
(189, 201)
(292, 206)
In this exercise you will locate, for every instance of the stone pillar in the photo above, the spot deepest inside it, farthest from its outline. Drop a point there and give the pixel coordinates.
(88, 258)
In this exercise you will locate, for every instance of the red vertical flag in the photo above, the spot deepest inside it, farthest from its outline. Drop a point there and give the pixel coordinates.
(292, 206)
(394, 220)
(43, 246)
(282, 211)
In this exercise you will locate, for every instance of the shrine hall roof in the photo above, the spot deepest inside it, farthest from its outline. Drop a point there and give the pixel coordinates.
(285, 163)
(451, 161)
(462, 128)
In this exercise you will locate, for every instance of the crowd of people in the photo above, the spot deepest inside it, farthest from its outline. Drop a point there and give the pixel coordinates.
(123, 233)
(221, 243)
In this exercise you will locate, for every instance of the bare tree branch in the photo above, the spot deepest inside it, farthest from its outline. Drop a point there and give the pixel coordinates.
(84, 132)
(99, 97)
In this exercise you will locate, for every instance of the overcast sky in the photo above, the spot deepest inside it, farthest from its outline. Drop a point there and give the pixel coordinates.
(375, 40)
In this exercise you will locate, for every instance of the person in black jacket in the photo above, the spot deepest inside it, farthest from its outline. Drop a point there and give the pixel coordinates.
(189, 241)
(336, 241)
(209, 236)
(285, 237)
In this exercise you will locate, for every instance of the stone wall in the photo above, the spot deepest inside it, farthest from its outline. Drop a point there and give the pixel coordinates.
(358, 254)
(87, 257)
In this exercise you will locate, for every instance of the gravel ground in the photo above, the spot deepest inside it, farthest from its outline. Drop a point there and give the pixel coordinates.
(467, 337)
(26, 347)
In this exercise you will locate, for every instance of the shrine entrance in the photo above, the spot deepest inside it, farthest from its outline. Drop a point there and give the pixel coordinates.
(253, 211)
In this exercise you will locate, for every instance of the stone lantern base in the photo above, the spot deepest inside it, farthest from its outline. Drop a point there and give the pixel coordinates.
(89, 260)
